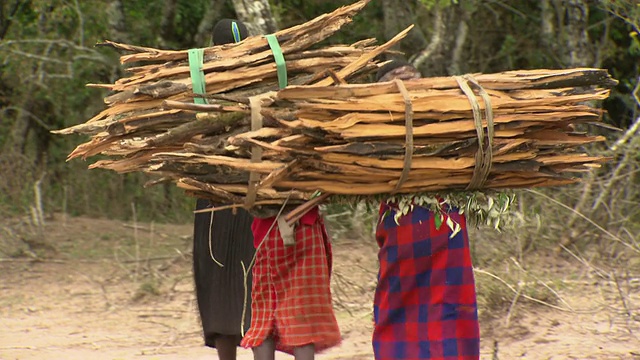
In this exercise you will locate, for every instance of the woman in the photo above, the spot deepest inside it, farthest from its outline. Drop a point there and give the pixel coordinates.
(292, 309)
(225, 236)
(425, 305)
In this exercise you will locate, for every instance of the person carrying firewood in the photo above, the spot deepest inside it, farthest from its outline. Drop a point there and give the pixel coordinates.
(291, 295)
(425, 303)
(221, 242)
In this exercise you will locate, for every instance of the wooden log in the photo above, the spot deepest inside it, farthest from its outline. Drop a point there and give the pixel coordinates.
(204, 125)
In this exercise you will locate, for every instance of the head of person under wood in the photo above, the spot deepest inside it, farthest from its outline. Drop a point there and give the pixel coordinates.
(229, 31)
(397, 69)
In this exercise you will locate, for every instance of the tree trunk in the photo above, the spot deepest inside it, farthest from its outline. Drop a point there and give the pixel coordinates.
(17, 140)
(41, 130)
(572, 19)
(167, 25)
(212, 14)
(573, 49)
(444, 54)
(117, 32)
(256, 15)
(117, 24)
(547, 26)
(398, 15)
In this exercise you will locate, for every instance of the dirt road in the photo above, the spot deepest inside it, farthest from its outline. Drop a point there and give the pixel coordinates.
(96, 299)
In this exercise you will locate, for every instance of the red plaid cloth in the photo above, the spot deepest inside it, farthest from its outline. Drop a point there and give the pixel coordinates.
(291, 294)
(425, 302)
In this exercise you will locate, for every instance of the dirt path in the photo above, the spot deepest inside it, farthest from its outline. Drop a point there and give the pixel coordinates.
(95, 301)
(66, 311)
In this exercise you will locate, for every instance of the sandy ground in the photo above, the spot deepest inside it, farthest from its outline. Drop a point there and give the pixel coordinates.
(112, 292)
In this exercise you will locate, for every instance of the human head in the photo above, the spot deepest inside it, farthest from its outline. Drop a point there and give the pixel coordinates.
(397, 69)
(229, 31)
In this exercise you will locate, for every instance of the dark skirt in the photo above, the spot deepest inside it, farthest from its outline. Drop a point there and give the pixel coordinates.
(220, 291)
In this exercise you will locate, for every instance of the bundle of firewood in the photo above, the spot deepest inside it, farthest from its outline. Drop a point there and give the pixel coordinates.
(350, 139)
(483, 131)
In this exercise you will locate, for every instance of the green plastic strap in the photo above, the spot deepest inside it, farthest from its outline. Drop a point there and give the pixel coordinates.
(235, 30)
(281, 65)
(196, 62)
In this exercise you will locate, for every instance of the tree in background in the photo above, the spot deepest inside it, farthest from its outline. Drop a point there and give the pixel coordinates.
(47, 55)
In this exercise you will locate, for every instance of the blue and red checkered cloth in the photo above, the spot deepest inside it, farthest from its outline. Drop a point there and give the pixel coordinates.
(425, 304)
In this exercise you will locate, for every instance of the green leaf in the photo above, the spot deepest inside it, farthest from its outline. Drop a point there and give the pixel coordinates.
(438, 221)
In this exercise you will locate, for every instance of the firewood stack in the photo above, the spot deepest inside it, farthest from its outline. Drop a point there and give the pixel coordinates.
(254, 144)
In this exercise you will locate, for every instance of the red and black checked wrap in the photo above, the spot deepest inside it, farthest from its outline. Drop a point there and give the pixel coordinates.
(425, 303)
(291, 294)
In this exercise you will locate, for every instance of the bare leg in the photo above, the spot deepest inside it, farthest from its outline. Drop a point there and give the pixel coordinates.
(227, 346)
(305, 352)
(266, 350)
